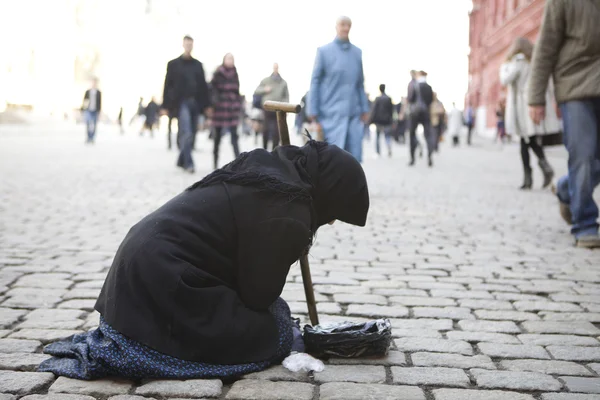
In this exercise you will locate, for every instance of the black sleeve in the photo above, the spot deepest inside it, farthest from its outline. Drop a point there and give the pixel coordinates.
(167, 89)
(99, 101)
(265, 257)
(203, 97)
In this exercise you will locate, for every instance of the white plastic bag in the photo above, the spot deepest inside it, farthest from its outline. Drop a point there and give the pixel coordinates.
(297, 362)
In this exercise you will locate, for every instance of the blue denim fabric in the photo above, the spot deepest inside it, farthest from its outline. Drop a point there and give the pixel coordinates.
(91, 121)
(187, 124)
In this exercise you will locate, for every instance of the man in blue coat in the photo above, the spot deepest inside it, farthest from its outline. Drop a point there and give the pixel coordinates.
(337, 99)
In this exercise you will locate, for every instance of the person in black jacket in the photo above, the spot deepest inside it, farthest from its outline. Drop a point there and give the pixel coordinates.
(420, 97)
(193, 291)
(92, 105)
(186, 95)
(382, 116)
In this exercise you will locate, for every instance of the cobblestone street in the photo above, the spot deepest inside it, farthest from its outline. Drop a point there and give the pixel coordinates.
(487, 296)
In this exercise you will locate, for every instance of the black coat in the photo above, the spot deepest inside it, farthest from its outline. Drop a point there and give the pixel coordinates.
(175, 87)
(425, 90)
(194, 278)
(383, 111)
(86, 100)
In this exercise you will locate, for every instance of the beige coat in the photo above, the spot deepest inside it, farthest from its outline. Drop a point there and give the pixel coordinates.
(515, 75)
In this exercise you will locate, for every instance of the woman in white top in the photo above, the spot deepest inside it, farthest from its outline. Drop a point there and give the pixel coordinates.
(514, 74)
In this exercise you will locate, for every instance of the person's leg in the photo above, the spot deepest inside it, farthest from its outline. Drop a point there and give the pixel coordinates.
(581, 124)
(387, 130)
(217, 134)
(354, 137)
(234, 141)
(413, 123)
(94, 125)
(527, 175)
(335, 130)
(378, 130)
(185, 130)
(538, 150)
(430, 137)
(270, 128)
(469, 133)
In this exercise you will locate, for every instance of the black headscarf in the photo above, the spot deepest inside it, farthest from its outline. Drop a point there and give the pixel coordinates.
(325, 176)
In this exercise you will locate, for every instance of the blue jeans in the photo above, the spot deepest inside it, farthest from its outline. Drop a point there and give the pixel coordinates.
(91, 121)
(581, 121)
(387, 131)
(187, 122)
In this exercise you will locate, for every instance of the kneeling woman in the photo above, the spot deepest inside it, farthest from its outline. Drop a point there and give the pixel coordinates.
(193, 291)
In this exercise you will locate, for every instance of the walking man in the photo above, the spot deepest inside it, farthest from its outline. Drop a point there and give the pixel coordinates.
(420, 97)
(568, 50)
(383, 116)
(337, 101)
(92, 105)
(273, 88)
(186, 95)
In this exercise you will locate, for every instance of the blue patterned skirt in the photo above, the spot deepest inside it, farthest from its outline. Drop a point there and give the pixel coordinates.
(105, 352)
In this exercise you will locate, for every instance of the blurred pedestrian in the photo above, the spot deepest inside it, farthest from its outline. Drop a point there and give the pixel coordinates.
(273, 88)
(92, 105)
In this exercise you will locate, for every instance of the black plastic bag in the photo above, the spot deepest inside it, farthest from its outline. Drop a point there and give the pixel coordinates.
(349, 339)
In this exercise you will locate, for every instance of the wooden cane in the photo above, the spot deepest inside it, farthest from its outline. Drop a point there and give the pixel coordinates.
(281, 109)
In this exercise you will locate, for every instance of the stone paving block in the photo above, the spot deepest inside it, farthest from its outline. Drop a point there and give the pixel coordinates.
(436, 286)
(375, 311)
(50, 324)
(475, 337)
(356, 391)
(44, 280)
(44, 335)
(61, 396)
(81, 294)
(421, 301)
(101, 387)
(4, 332)
(502, 350)
(477, 304)
(568, 396)
(575, 298)
(250, 389)
(550, 367)
(422, 359)
(490, 287)
(24, 382)
(546, 306)
(464, 394)
(514, 380)
(392, 358)
(279, 373)
(582, 385)
(570, 316)
(518, 296)
(297, 307)
(177, 388)
(133, 397)
(559, 340)
(595, 367)
(383, 284)
(452, 377)
(19, 346)
(461, 294)
(9, 316)
(416, 333)
(443, 312)
(80, 304)
(360, 298)
(21, 361)
(575, 353)
(32, 301)
(516, 316)
(400, 292)
(489, 326)
(339, 280)
(433, 345)
(422, 323)
(574, 327)
(351, 373)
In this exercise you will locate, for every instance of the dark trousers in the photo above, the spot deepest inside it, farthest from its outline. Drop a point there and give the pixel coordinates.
(534, 145)
(218, 134)
(425, 120)
(469, 133)
(187, 122)
(270, 131)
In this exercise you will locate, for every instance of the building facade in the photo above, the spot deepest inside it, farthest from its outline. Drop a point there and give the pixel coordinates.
(494, 25)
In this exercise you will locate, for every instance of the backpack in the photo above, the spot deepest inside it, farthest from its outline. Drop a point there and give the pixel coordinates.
(419, 106)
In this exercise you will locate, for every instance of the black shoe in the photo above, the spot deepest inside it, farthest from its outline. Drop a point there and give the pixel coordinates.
(527, 181)
(411, 163)
(548, 173)
(430, 163)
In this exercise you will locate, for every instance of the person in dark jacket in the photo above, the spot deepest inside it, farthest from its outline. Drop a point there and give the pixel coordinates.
(225, 87)
(420, 97)
(186, 96)
(193, 291)
(151, 114)
(382, 116)
(92, 105)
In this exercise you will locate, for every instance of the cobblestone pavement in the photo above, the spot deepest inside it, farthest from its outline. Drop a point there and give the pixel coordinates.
(487, 296)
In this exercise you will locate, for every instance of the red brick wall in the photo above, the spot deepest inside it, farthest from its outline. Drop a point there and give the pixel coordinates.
(494, 24)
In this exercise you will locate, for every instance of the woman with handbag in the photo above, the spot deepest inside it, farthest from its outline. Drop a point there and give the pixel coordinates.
(514, 74)
(227, 103)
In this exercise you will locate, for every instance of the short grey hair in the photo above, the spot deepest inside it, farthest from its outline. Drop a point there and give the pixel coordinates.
(342, 19)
